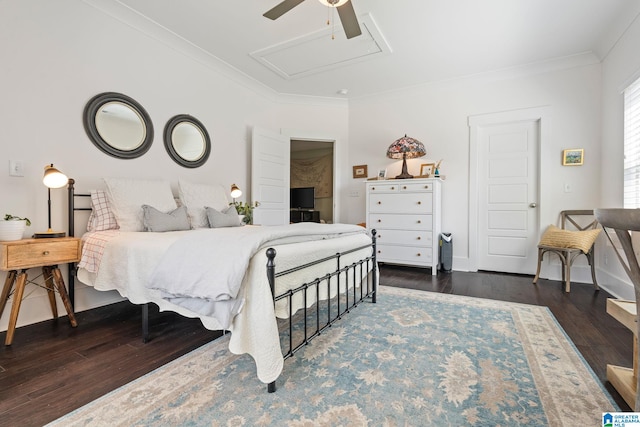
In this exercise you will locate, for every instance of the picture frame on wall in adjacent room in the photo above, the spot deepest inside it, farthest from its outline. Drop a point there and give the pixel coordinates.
(382, 174)
(573, 157)
(426, 169)
(360, 171)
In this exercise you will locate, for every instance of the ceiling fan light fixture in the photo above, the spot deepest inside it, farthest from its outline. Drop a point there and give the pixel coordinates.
(333, 3)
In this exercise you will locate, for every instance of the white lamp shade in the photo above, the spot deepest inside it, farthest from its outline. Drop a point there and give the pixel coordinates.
(235, 191)
(53, 178)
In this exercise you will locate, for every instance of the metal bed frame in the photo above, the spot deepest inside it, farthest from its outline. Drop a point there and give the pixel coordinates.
(320, 323)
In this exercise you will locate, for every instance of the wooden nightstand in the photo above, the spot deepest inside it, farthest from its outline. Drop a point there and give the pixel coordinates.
(18, 256)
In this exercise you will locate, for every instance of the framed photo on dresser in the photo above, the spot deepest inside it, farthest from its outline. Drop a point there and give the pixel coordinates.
(426, 169)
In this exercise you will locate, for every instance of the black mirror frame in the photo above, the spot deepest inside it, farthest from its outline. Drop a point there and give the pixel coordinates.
(89, 121)
(168, 143)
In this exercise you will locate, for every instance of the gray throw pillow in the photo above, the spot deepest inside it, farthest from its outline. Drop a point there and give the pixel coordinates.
(227, 218)
(154, 220)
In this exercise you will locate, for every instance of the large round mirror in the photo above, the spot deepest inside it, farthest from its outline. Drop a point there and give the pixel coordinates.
(187, 141)
(118, 125)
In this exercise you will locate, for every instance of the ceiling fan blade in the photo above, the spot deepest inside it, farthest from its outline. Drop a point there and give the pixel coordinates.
(349, 20)
(281, 9)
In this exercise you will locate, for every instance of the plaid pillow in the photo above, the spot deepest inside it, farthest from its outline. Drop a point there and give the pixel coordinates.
(101, 217)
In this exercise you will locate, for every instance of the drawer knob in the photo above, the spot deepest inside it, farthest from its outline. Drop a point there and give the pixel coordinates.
(379, 202)
(379, 252)
(419, 238)
(379, 220)
(404, 187)
(426, 187)
(419, 254)
(45, 253)
(419, 202)
(373, 188)
(419, 222)
(393, 188)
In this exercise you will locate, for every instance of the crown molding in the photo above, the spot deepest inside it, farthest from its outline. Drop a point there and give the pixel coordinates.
(150, 28)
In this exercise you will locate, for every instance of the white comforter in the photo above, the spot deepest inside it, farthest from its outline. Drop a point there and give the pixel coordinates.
(130, 258)
(203, 271)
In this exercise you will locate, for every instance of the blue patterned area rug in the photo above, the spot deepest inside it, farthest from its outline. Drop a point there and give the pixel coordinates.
(413, 359)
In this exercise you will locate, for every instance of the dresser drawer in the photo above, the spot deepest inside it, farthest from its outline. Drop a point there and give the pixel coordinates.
(401, 203)
(38, 252)
(413, 187)
(384, 188)
(403, 222)
(405, 237)
(404, 254)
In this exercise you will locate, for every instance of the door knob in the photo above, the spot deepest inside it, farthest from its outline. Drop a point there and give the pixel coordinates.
(256, 204)
(533, 205)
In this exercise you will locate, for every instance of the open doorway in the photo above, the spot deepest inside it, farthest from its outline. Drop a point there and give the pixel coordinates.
(312, 168)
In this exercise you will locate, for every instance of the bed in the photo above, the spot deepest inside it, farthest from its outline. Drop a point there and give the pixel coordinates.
(250, 277)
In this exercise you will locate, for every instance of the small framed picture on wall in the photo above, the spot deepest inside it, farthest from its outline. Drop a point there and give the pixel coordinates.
(360, 171)
(573, 157)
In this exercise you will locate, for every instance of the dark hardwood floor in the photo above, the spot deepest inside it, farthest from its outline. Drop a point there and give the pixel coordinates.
(52, 368)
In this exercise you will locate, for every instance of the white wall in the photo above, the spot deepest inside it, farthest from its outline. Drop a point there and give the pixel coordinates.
(57, 55)
(619, 69)
(438, 114)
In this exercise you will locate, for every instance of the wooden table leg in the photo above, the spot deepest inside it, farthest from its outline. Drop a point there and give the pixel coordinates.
(15, 308)
(48, 282)
(62, 290)
(8, 285)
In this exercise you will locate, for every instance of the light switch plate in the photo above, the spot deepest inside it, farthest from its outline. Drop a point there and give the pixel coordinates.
(16, 168)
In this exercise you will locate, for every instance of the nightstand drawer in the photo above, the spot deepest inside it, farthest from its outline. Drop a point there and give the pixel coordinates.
(29, 253)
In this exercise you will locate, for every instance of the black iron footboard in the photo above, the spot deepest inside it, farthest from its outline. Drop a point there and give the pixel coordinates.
(365, 267)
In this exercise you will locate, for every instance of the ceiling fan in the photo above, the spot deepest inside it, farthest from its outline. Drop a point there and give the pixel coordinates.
(345, 11)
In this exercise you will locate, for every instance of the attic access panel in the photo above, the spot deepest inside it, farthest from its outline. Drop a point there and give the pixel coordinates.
(318, 52)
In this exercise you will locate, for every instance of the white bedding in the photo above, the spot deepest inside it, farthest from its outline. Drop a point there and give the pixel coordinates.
(130, 258)
(209, 285)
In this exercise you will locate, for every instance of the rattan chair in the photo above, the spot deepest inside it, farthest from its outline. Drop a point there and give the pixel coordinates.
(566, 254)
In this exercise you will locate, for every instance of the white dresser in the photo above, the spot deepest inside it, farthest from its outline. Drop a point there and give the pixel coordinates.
(406, 215)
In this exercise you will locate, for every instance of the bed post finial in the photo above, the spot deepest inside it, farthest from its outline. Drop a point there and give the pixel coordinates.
(271, 271)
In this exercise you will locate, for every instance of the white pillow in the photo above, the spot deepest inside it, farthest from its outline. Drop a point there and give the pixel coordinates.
(126, 197)
(196, 196)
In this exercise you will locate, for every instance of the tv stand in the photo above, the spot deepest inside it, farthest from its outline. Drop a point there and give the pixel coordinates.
(296, 215)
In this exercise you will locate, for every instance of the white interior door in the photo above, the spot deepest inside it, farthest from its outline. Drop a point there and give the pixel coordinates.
(270, 156)
(508, 196)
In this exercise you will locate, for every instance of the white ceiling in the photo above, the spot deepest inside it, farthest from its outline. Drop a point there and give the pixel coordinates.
(426, 40)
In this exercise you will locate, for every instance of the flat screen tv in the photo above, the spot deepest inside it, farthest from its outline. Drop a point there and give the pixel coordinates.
(302, 198)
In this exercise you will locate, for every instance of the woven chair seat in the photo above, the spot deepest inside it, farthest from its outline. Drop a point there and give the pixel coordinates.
(569, 244)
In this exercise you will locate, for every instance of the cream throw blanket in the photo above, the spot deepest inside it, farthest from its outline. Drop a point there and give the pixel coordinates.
(203, 272)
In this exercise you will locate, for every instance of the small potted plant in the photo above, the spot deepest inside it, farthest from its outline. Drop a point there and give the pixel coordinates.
(12, 227)
(245, 211)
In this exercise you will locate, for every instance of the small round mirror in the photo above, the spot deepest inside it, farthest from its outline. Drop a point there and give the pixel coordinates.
(118, 125)
(187, 141)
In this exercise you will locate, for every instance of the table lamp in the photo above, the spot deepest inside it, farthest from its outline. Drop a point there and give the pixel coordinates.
(53, 178)
(235, 192)
(405, 148)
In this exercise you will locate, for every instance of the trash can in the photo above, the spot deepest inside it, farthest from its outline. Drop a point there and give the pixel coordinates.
(446, 252)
